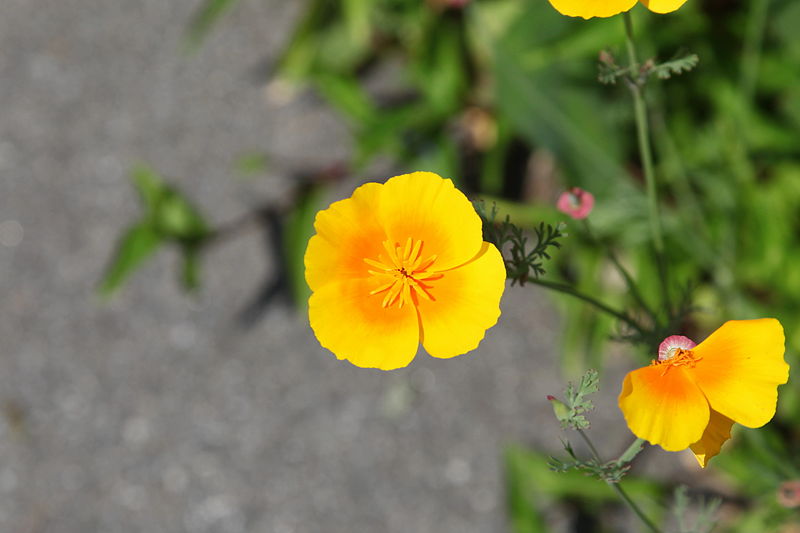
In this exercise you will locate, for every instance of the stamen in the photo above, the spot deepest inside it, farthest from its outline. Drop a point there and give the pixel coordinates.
(428, 262)
(402, 273)
(428, 276)
(392, 251)
(423, 289)
(416, 250)
(377, 264)
(681, 357)
(406, 292)
(382, 288)
(407, 250)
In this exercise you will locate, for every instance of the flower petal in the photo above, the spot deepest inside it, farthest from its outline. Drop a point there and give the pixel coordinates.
(347, 232)
(466, 303)
(426, 207)
(739, 369)
(354, 325)
(663, 6)
(592, 8)
(664, 406)
(715, 435)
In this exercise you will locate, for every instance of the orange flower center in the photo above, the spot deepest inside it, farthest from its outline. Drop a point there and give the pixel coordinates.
(403, 273)
(678, 357)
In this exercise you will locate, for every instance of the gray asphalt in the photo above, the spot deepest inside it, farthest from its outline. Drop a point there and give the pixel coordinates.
(153, 412)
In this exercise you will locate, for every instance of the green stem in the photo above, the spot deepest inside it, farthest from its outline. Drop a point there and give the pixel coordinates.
(568, 289)
(629, 281)
(635, 508)
(643, 135)
(751, 53)
(633, 62)
(631, 453)
(636, 84)
(589, 443)
(616, 486)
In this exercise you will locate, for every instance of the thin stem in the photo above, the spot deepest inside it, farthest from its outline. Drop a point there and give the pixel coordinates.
(589, 443)
(616, 486)
(633, 63)
(568, 289)
(631, 452)
(629, 281)
(636, 83)
(635, 508)
(643, 136)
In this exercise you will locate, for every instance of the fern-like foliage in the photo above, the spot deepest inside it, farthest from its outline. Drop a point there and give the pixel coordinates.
(523, 260)
(610, 471)
(609, 71)
(676, 66)
(578, 401)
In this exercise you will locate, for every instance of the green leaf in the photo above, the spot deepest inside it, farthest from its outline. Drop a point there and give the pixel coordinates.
(190, 274)
(347, 95)
(171, 214)
(356, 16)
(138, 243)
(441, 69)
(149, 184)
(524, 516)
(676, 66)
(298, 229)
(533, 486)
(205, 18)
(177, 218)
(578, 402)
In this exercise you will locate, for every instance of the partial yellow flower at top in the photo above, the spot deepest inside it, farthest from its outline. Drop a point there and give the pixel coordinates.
(399, 264)
(608, 8)
(692, 394)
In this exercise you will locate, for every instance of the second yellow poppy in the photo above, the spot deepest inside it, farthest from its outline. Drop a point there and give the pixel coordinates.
(608, 8)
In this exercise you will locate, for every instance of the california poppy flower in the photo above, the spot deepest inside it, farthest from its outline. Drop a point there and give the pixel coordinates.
(608, 8)
(692, 394)
(399, 264)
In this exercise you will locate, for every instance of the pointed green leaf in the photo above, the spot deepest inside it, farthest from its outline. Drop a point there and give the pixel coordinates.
(348, 96)
(523, 516)
(149, 185)
(298, 230)
(177, 218)
(205, 18)
(138, 243)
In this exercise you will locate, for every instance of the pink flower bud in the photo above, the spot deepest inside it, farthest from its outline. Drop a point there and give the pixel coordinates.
(576, 203)
(669, 347)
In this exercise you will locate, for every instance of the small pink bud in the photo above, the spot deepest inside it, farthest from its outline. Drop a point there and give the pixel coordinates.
(560, 409)
(669, 347)
(606, 57)
(576, 203)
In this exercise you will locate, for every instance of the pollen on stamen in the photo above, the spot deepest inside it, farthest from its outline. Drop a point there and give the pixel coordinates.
(403, 269)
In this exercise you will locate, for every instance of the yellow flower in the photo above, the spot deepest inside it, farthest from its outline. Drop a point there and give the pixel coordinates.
(691, 395)
(398, 264)
(608, 8)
